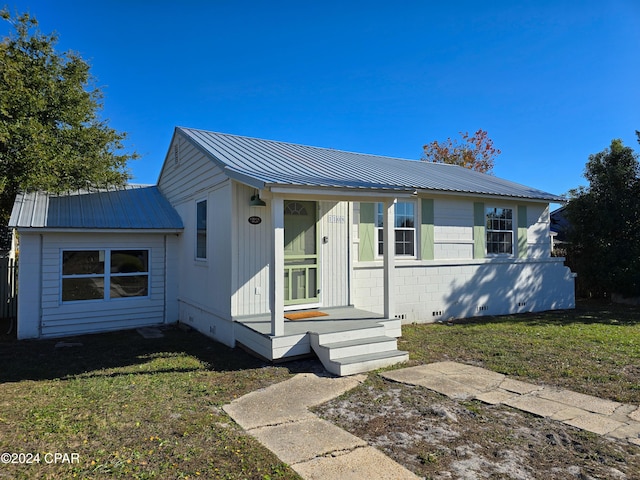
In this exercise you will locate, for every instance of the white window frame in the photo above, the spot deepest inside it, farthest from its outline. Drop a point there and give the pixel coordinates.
(105, 254)
(197, 231)
(490, 229)
(379, 229)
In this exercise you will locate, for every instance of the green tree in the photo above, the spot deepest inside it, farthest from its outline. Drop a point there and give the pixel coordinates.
(51, 136)
(475, 152)
(604, 223)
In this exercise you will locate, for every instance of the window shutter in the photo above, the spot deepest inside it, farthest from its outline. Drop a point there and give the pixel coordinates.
(479, 240)
(522, 231)
(367, 231)
(426, 230)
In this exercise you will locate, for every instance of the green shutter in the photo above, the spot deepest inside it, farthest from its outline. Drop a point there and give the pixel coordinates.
(522, 231)
(367, 231)
(479, 237)
(426, 230)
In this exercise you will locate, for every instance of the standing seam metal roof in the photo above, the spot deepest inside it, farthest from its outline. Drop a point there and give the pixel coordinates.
(274, 163)
(128, 207)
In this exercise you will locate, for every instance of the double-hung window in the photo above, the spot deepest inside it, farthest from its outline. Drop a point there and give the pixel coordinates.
(104, 274)
(404, 229)
(499, 230)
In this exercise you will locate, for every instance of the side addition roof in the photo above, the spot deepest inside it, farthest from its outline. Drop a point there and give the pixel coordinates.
(266, 163)
(131, 207)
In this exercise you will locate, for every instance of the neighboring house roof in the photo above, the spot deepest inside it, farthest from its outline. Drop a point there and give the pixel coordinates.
(559, 223)
(267, 163)
(129, 207)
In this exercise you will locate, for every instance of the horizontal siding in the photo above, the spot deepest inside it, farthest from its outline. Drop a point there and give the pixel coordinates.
(192, 175)
(94, 316)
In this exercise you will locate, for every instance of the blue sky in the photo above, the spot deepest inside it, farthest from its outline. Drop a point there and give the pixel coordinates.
(551, 81)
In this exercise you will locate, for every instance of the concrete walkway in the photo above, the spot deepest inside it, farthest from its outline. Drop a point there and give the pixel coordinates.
(455, 380)
(279, 417)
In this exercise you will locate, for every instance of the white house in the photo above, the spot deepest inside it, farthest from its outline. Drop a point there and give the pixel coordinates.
(264, 228)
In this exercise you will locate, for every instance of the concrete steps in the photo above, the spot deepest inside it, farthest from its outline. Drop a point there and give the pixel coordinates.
(356, 351)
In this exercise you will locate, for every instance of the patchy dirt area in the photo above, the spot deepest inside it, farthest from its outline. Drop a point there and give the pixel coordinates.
(439, 438)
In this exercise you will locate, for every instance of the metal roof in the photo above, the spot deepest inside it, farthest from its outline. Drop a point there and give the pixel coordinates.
(267, 163)
(129, 207)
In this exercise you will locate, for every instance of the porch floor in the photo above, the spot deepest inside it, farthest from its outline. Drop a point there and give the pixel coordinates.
(339, 319)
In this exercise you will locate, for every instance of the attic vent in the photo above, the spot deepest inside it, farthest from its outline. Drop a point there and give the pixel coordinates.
(176, 154)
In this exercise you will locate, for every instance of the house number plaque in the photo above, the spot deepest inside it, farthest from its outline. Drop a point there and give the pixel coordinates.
(253, 220)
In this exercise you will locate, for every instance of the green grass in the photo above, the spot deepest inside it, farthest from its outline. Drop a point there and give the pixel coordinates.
(132, 408)
(136, 408)
(594, 349)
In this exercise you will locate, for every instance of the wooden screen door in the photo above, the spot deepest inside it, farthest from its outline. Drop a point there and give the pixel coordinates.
(300, 253)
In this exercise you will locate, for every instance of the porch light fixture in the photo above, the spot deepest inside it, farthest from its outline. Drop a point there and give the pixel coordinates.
(256, 202)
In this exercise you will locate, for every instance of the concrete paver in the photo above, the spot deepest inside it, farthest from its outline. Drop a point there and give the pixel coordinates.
(595, 423)
(362, 463)
(457, 381)
(302, 441)
(580, 400)
(279, 417)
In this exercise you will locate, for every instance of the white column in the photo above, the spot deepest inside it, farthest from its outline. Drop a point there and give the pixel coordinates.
(389, 240)
(276, 272)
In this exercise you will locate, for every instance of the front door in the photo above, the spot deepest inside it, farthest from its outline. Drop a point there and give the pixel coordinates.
(300, 253)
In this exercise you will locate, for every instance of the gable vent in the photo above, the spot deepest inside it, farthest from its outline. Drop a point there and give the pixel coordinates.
(176, 153)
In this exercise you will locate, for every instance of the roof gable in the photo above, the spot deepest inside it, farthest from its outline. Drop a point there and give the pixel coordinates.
(130, 207)
(265, 163)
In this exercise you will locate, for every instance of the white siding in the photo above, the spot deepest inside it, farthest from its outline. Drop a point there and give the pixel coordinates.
(60, 319)
(29, 286)
(538, 236)
(193, 174)
(455, 285)
(251, 248)
(204, 287)
(453, 228)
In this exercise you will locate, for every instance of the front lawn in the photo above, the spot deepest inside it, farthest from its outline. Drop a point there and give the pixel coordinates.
(130, 407)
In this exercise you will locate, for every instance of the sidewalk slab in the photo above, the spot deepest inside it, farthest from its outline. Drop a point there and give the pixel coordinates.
(595, 423)
(495, 397)
(288, 401)
(359, 464)
(306, 439)
(537, 406)
(580, 400)
(516, 386)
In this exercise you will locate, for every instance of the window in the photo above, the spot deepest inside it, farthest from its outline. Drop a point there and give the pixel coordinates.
(84, 276)
(499, 231)
(405, 232)
(201, 230)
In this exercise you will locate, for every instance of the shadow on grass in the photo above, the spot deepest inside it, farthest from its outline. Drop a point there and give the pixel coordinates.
(586, 312)
(100, 354)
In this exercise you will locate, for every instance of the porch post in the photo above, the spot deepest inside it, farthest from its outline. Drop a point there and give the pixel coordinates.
(389, 253)
(276, 272)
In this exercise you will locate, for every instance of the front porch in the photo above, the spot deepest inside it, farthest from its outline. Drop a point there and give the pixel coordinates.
(347, 326)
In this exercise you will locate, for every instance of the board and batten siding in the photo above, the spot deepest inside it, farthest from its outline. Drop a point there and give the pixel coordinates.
(334, 259)
(90, 316)
(251, 249)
